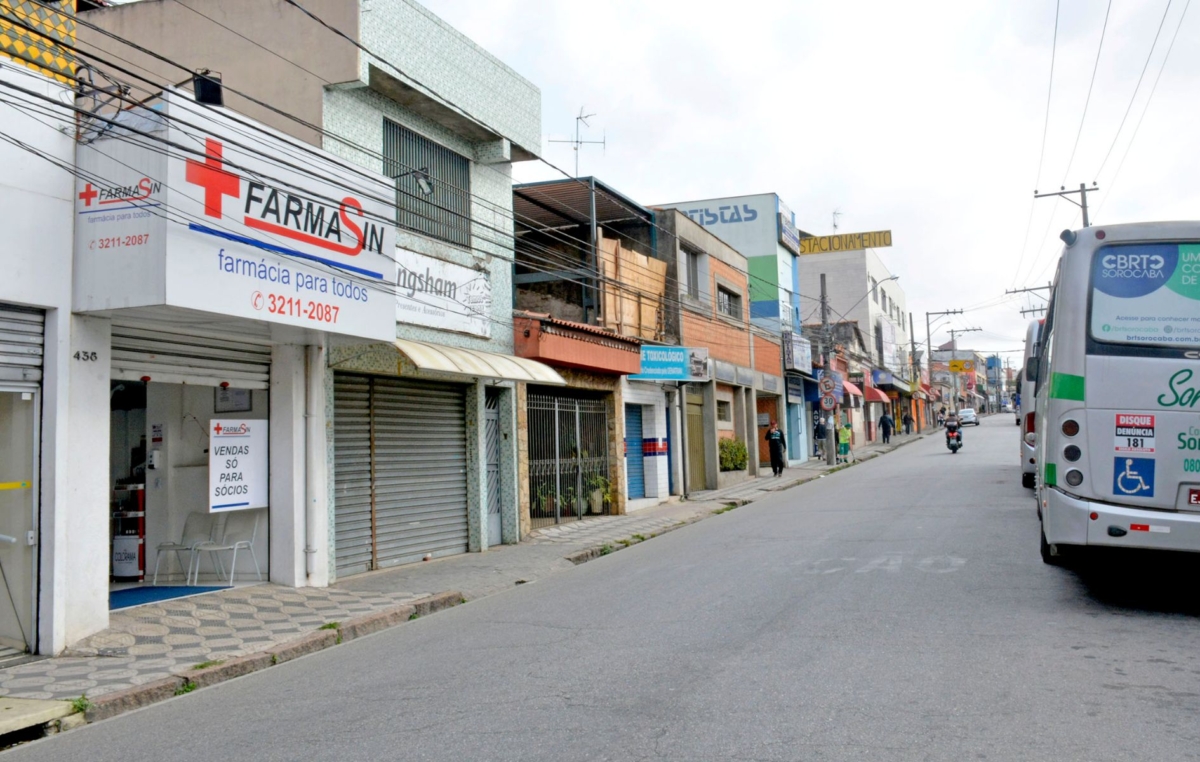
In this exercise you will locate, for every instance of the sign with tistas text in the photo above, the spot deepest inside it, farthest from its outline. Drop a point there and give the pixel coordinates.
(237, 465)
(234, 220)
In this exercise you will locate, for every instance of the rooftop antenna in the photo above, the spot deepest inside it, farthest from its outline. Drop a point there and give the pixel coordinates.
(579, 141)
(836, 214)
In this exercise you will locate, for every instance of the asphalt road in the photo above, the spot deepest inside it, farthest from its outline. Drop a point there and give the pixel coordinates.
(897, 610)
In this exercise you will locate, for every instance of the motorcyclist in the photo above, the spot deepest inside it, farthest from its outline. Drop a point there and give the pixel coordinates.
(953, 427)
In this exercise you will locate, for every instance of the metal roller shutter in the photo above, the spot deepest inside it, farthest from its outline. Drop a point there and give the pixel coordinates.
(190, 357)
(635, 466)
(352, 474)
(22, 334)
(400, 460)
(420, 470)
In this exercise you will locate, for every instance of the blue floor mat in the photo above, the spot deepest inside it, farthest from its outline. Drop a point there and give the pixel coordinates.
(138, 596)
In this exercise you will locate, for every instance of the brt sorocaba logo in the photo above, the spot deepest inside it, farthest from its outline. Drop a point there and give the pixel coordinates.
(1132, 271)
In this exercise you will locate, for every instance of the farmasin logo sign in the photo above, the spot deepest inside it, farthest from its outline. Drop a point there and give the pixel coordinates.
(342, 230)
(238, 229)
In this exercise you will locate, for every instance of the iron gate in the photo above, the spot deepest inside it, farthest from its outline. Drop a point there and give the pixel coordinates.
(568, 458)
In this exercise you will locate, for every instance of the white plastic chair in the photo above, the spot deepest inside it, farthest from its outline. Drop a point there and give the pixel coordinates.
(197, 529)
(241, 529)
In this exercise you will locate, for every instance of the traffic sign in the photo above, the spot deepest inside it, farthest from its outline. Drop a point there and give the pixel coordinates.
(962, 366)
(828, 402)
(827, 384)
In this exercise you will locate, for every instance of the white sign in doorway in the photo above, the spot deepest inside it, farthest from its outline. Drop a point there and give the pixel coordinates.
(237, 465)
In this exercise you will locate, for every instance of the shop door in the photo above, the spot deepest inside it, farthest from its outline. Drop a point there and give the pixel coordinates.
(635, 465)
(491, 432)
(568, 457)
(400, 471)
(767, 411)
(18, 513)
(696, 451)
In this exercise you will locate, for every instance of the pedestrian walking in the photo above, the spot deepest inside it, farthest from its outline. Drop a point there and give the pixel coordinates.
(778, 447)
(844, 452)
(908, 422)
(819, 434)
(886, 425)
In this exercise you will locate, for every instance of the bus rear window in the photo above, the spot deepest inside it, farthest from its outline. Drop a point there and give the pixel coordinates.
(1146, 294)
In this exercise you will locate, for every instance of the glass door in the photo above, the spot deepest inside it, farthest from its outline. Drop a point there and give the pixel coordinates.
(18, 514)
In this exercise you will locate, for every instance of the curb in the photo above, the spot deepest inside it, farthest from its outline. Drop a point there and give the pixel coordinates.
(596, 551)
(119, 702)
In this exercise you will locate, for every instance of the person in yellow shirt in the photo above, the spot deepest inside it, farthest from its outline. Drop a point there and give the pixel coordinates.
(844, 444)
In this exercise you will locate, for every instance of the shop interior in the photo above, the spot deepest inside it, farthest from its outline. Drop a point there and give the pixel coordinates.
(158, 478)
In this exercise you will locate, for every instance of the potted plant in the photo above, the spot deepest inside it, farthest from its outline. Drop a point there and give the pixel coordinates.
(599, 494)
(544, 500)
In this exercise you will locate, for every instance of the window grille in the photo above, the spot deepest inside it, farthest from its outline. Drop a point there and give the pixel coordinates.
(433, 185)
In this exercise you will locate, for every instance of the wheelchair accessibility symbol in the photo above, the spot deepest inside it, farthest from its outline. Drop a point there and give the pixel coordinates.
(1133, 477)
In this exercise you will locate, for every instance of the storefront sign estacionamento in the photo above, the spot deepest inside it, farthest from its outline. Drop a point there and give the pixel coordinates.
(237, 465)
(437, 294)
(673, 364)
(232, 230)
(845, 242)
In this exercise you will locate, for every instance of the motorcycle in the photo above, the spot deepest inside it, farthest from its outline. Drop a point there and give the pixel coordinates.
(953, 439)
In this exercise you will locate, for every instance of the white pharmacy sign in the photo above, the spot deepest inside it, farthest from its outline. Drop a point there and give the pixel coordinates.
(437, 294)
(237, 465)
(234, 222)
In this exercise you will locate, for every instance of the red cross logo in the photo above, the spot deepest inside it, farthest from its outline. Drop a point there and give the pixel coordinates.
(217, 183)
(89, 193)
(217, 429)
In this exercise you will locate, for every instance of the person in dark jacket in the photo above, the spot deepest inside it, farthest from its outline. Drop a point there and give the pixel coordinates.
(778, 447)
(908, 422)
(886, 425)
(819, 434)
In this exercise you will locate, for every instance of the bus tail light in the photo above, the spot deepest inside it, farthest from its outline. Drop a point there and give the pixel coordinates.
(1074, 477)
(1072, 453)
(1030, 423)
(1070, 427)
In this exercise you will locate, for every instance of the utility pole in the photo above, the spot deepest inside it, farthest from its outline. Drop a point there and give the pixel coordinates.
(1082, 203)
(578, 142)
(954, 343)
(830, 431)
(912, 362)
(929, 338)
(955, 331)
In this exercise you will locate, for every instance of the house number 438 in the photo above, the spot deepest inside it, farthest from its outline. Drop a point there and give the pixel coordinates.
(85, 356)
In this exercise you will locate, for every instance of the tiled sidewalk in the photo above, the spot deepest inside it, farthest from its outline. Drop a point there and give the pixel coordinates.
(147, 643)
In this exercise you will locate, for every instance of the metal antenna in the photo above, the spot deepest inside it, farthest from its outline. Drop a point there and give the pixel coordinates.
(582, 119)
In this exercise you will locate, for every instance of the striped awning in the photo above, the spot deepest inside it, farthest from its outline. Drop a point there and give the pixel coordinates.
(477, 364)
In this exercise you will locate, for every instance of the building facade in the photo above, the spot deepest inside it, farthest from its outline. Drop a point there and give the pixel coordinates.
(763, 229)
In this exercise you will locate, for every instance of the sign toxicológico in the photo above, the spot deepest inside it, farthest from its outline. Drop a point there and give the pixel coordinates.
(673, 364)
(237, 465)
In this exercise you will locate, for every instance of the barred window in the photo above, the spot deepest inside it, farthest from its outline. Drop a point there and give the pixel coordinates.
(729, 303)
(433, 185)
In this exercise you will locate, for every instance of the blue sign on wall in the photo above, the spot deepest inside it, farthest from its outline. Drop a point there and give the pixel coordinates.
(673, 364)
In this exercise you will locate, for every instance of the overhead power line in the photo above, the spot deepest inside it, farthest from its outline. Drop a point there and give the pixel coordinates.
(1088, 99)
(1041, 153)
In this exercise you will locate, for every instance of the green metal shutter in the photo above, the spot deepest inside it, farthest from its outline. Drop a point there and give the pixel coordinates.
(353, 544)
(420, 470)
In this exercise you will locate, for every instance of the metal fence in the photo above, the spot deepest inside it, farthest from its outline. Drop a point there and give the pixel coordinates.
(568, 459)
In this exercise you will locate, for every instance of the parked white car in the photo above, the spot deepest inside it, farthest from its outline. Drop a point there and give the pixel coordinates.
(967, 415)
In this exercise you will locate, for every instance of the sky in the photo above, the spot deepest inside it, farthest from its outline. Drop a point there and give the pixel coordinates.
(926, 119)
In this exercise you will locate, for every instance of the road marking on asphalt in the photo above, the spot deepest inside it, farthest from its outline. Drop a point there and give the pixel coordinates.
(890, 562)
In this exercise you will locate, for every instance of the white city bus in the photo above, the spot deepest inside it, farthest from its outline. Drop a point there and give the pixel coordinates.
(1026, 417)
(1118, 391)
